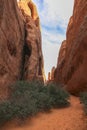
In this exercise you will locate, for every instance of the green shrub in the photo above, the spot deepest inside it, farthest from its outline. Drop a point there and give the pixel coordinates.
(30, 92)
(58, 96)
(29, 98)
(6, 111)
(26, 97)
(83, 99)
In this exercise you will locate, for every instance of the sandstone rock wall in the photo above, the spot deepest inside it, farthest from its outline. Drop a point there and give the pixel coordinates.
(62, 52)
(11, 44)
(20, 44)
(73, 70)
(51, 75)
(33, 62)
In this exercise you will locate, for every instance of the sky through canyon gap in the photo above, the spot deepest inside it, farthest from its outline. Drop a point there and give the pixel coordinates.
(54, 17)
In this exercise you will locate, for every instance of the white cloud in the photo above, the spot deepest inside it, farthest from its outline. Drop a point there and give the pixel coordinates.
(59, 8)
(50, 51)
(53, 14)
(55, 10)
(51, 44)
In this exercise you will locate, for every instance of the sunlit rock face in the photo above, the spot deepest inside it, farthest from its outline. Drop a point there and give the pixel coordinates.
(72, 66)
(51, 75)
(33, 60)
(11, 44)
(29, 8)
(20, 44)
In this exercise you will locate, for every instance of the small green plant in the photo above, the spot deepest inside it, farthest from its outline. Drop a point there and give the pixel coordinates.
(29, 98)
(58, 96)
(83, 99)
(7, 111)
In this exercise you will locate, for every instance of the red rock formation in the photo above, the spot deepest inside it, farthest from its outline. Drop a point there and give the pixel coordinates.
(62, 52)
(52, 73)
(73, 70)
(33, 67)
(49, 76)
(20, 44)
(11, 44)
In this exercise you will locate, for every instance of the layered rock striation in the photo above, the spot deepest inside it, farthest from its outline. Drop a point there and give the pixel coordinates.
(72, 62)
(33, 58)
(11, 44)
(20, 44)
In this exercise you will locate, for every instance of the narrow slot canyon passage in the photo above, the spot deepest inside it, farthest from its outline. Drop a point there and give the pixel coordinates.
(54, 17)
(48, 35)
(70, 118)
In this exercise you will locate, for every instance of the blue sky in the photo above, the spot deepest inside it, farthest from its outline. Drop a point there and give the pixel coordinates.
(54, 17)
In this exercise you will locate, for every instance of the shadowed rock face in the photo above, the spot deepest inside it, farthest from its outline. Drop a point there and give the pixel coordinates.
(33, 62)
(20, 44)
(52, 73)
(11, 44)
(61, 60)
(62, 52)
(73, 70)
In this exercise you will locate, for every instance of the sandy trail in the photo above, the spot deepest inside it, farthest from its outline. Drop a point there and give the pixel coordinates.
(71, 118)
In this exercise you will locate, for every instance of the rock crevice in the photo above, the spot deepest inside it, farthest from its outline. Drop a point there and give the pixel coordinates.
(21, 55)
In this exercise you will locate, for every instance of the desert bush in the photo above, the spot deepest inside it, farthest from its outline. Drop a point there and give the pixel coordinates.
(58, 96)
(7, 111)
(83, 99)
(31, 92)
(29, 98)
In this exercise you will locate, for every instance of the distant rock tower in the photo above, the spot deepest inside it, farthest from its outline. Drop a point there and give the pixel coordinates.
(49, 76)
(52, 73)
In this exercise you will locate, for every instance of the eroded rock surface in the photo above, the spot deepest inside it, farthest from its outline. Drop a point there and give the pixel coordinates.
(73, 70)
(11, 44)
(51, 75)
(20, 44)
(33, 64)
